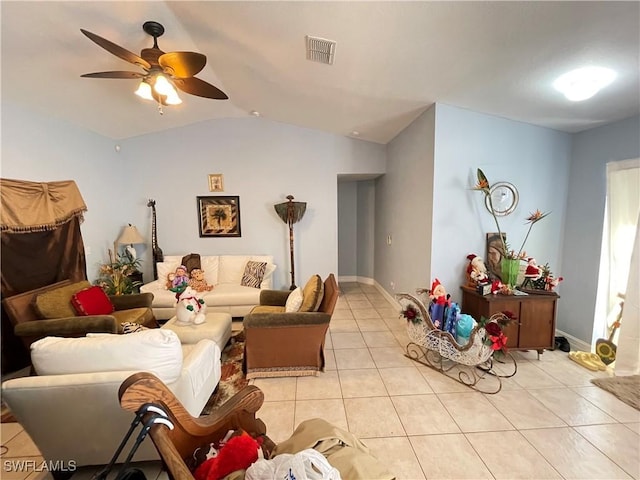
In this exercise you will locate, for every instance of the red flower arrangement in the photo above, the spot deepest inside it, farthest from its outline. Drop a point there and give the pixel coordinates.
(494, 327)
(411, 314)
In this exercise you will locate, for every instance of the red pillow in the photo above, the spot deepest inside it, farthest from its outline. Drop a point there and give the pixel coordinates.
(92, 301)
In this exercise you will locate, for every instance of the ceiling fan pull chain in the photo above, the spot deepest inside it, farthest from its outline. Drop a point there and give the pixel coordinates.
(160, 111)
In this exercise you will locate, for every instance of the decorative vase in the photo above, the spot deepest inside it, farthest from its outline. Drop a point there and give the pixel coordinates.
(510, 268)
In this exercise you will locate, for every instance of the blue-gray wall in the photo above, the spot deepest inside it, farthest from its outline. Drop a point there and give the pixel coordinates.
(262, 162)
(586, 191)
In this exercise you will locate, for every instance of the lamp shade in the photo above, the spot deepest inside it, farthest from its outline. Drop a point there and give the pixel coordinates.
(130, 236)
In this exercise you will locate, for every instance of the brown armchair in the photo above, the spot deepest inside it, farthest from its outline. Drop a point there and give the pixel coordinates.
(29, 325)
(280, 344)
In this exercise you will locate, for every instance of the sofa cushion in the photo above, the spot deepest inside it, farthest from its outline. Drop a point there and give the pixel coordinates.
(253, 274)
(92, 301)
(164, 269)
(312, 294)
(56, 303)
(294, 301)
(231, 268)
(210, 266)
(226, 294)
(157, 351)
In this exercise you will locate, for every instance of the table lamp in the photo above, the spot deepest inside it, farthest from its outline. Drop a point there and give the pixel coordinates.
(129, 237)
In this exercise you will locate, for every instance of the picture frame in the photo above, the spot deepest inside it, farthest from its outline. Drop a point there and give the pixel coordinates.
(219, 216)
(216, 182)
(493, 255)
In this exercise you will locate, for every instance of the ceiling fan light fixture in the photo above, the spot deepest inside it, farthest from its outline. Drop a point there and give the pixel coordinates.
(144, 91)
(163, 87)
(173, 99)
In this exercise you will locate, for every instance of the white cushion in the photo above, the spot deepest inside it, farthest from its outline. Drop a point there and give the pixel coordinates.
(210, 266)
(225, 294)
(164, 269)
(294, 301)
(231, 268)
(155, 350)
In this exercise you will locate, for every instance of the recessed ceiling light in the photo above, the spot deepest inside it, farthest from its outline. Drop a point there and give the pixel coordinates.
(583, 83)
(255, 113)
(355, 133)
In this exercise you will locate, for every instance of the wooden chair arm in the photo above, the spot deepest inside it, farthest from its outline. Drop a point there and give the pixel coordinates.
(189, 433)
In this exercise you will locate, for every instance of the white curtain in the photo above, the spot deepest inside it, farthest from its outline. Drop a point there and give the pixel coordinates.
(628, 353)
(616, 265)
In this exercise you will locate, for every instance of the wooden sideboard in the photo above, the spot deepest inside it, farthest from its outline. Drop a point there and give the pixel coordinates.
(535, 326)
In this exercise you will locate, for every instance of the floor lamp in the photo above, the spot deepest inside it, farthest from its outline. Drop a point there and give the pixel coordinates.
(291, 212)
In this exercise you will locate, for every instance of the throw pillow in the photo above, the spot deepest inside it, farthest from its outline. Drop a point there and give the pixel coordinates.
(132, 327)
(253, 274)
(56, 303)
(92, 301)
(191, 261)
(312, 294)
(294, 300)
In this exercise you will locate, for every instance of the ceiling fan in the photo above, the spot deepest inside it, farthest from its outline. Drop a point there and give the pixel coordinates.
(163, 72)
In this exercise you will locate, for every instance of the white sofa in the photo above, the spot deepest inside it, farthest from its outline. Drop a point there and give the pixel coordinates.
(224, 272)
(71, 409)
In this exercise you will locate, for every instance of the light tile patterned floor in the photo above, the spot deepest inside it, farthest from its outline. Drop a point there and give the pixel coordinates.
(548, 421)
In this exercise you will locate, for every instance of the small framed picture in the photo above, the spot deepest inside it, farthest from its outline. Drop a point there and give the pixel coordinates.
(215, 182)
(219, 216)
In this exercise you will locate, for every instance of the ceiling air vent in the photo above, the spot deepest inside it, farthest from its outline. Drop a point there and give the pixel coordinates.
(320, 50)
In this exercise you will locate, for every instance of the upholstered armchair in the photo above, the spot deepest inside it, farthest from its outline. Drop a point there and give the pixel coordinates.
(285, 337)
(47, 311)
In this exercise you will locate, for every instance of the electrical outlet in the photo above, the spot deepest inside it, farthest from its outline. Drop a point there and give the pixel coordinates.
(389, 239)
(392, 285)
(87, 250)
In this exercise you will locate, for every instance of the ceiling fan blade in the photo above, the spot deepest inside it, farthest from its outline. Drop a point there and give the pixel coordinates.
(117, 50)
(117, 74)
(182, 64)
(198, 87)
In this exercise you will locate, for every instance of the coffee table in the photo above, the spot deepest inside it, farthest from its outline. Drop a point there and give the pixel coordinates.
(217, 327)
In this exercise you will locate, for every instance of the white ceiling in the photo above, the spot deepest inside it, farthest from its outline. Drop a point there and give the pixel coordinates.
(393, 60)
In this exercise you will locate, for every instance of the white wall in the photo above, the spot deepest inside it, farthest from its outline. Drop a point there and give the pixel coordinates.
(404, 208)
(347, 229)
(536, 160)
(592, 150)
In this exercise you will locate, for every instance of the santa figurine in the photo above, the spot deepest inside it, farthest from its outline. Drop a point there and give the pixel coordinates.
(532, 272)
(476, 271)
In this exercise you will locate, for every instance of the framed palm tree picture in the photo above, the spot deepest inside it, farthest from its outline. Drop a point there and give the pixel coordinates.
(219, 216)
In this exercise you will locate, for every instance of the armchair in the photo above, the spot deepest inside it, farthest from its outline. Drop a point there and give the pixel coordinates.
(30, 326)
(282, 344)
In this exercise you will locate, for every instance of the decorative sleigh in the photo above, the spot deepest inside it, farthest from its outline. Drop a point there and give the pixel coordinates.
(471, 364)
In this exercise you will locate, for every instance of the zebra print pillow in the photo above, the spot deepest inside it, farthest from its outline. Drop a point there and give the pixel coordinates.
(253, 274)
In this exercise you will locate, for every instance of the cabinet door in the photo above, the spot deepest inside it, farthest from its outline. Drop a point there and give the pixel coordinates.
(511, 331)
(537, 324)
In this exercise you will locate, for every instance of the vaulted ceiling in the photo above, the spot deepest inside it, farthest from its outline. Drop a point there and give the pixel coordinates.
(392, 61)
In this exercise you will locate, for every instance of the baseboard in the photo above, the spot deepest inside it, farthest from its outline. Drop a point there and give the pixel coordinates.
(390, 298)
(355, 278)
(575, 343)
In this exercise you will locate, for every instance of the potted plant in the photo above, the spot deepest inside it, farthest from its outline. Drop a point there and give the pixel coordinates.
(510, 258)
(118, 277)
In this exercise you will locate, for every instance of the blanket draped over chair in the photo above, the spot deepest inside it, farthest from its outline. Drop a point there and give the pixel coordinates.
(41, 245)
